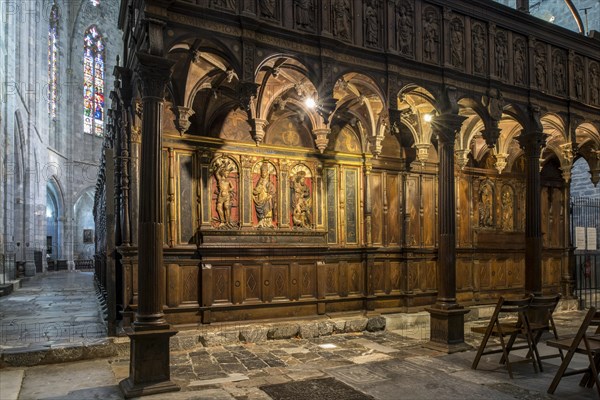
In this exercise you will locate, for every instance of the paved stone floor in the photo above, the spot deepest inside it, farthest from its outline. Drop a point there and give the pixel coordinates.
(389, 364)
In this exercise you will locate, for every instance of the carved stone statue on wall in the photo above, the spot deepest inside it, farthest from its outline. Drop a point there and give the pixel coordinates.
(485, 207)
(501, 56)
(342, 19)
(304, 14)
(457, 44)
(405, 30)
(430, 37)
(540, 67)
(519, 63)
(579, 80)
(301, 201)
(229, 4)
(371, 23)
(594, 84)
(268, 8)
(559, 75)
(479, 55)
(223, 168)
(507, 209)
(264, 197)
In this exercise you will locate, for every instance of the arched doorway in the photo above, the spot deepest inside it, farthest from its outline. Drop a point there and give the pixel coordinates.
(54, 227)
(83, 239)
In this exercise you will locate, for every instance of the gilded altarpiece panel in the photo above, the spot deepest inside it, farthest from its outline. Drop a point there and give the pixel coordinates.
(351, 209)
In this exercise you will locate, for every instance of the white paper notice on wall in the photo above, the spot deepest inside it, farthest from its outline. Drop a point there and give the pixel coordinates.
(580, 238)
(591, 238)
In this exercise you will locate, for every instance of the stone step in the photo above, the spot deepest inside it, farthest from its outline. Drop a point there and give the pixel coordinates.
(10, 383)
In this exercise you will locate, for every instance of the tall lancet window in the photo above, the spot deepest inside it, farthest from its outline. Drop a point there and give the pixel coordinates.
(93, 82)
(53, 62)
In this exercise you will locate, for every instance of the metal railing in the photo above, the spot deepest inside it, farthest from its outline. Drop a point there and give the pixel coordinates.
(585, 221)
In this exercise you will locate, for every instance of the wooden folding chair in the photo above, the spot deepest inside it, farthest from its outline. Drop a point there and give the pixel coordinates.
(502, 329)
(582, 343)
(539, 315)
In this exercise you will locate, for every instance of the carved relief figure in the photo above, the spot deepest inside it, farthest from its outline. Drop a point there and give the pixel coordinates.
(579, 80)
(304, 13)
(559, 74)
(268, 8)
(430, 37)
(540, 67)
(223, 168)
(341, 19)
(501, 56)
(264, 197)
(507, 209)
(230, 4)
(301, 202)
(594, 84)
(485, 206)
(371, 24)
(520, 62)
(405, 30)
(479, 49)
(456, 33)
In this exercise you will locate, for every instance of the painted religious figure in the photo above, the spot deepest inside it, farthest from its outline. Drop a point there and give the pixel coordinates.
(485, 207)
(263, 196)
(223, 168)
(301, 200)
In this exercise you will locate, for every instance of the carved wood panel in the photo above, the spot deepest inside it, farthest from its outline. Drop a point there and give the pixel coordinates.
(221, 284)
(331, 279)
(378, 277)
(393, 236)
(377, 210)
(413, 234)
(308, 280)
(189, 279)
(355, 278)
(252, 283)
(280, 278)
(396, 276)
(464, 273)
(551, 271)
(429, 216)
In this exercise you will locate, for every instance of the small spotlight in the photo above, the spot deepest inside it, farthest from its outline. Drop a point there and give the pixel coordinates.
(552, 18)
(310, 102)
(427, 117)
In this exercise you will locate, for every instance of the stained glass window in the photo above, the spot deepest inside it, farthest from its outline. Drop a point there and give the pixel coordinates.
(53, 61)
(93, 82)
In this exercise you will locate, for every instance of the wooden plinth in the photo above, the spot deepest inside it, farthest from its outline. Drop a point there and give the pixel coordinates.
(149, 367)
(447, 328)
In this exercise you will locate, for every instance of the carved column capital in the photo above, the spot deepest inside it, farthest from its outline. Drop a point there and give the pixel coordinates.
(532, 142)
(321, 138)
(182, 119)
(258, 129)
(446, 125)
(154, 73)
(501, 161)
(491, 135)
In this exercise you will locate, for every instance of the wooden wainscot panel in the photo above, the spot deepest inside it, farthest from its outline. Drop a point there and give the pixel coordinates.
(238, 288)
(189, 278)
(378, 277)
(551, 271)
(464, 273)
(413, 236)
(515, 277)
(394, 223)
(331, 279)
(396, 276)
(498, 274)
(308, 280)
(207, 286)
(377, 210)
(413, 275)
(496, 239)
(280, 277)
(485, 274)
(267, 285)
(343, 279)
(295, 282)
(427, 275)
(252, 283)
(355, 278)
(463, 228)
(221, 284)
(429, 212)
(174, 292)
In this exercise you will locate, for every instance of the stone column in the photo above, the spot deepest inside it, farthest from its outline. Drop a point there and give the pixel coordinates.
(532, 140)
(149, 355)
(447, 316)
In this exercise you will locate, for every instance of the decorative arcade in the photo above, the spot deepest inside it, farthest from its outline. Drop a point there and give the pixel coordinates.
(264, 160)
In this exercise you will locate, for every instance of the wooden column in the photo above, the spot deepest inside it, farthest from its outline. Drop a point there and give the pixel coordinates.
(149, 369)
(532, 140)
(447, 316)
